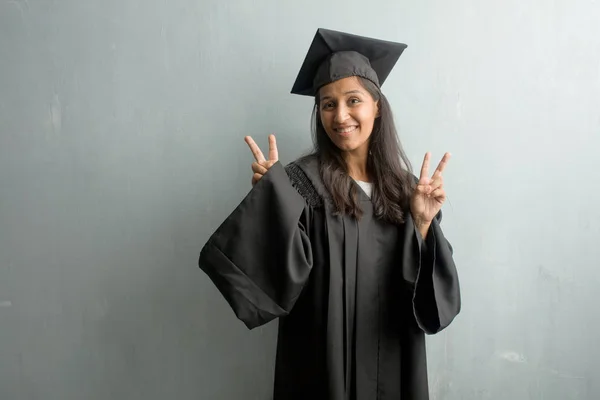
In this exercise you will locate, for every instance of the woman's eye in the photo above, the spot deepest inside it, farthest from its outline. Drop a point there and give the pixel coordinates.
(354, 101)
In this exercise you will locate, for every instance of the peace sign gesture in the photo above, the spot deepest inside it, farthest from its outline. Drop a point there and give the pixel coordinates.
(261, 166)
(429, 195)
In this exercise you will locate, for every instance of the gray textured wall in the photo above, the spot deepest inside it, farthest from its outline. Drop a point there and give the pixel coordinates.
(121, 149)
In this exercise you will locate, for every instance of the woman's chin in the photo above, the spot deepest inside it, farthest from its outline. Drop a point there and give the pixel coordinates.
(347, 145)
(350, 143)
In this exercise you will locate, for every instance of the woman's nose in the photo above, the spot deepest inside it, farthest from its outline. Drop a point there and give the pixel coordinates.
(341, 114)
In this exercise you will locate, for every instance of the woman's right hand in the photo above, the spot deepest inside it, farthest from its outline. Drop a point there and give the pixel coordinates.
(261, 165)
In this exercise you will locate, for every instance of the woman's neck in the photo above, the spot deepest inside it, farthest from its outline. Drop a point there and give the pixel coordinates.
(357, 165)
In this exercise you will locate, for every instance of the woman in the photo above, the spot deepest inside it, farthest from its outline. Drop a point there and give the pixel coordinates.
(343, 246)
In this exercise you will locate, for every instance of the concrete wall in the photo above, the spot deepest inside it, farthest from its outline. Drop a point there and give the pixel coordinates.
(121, 150)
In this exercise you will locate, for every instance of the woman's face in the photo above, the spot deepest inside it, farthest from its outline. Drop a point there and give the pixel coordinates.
(348, 113)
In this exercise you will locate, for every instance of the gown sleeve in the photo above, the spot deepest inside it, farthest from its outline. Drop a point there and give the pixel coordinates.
(436, 296)
(260, 257)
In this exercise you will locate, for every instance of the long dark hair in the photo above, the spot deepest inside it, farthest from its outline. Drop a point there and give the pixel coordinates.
(387, 164)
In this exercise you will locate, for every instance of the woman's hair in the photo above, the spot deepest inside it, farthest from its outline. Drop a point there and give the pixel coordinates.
(387, 164)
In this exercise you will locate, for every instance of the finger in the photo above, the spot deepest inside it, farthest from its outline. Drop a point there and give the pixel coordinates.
(269, 164)
(425, 166)
(423, 189)
(442, 165)
(256, 178)
(258, 168)
(436, 183)
(438, 194)
(273, 153)
(258, 155)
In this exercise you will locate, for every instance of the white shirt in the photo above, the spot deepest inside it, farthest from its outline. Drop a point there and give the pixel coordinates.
(366, 186)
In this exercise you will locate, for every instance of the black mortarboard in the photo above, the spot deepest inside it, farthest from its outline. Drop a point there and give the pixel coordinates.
(335, 55)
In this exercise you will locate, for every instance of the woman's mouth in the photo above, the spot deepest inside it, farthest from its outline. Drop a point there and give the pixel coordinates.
(346, 130)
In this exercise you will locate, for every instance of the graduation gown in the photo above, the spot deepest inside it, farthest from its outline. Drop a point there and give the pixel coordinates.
(354, 298)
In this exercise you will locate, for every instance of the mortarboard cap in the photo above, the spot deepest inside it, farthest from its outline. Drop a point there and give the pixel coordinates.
(335, 55)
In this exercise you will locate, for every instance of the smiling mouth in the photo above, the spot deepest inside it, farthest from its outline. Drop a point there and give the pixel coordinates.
(346, 130)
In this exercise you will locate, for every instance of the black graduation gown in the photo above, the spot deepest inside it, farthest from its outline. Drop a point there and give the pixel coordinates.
(354, 298)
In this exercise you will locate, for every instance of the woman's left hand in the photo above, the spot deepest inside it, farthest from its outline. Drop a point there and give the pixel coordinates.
(429, 194)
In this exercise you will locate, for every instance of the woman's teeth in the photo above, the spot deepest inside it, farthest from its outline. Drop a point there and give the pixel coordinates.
(346, 130)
